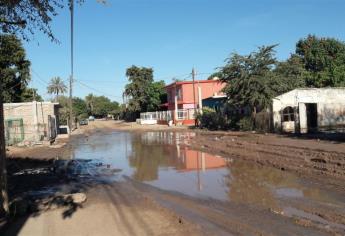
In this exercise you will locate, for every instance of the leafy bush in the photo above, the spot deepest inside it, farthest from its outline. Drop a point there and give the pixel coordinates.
(212, 120)
(245, 123)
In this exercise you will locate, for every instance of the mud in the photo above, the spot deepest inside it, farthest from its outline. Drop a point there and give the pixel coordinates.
(154, 181)
(323, 161)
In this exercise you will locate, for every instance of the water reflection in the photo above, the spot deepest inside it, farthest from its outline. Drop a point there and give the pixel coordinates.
(253, 184)
(160, 159)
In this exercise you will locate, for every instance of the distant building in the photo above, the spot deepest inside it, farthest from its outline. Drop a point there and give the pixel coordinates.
(184, 93)
(30, 121)
(309, 110)
(183, 102)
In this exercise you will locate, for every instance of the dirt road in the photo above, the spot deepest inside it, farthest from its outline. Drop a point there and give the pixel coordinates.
(261, 166)
(110, 210)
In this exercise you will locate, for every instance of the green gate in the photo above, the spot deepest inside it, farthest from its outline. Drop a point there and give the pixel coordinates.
(14, 131)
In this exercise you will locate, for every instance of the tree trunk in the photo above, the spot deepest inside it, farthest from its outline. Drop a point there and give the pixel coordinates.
(253, 117)
(3, 173)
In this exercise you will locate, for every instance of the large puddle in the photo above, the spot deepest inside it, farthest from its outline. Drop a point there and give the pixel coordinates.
(159, 159)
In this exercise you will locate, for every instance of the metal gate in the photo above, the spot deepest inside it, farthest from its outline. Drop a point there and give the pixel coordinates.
(14, 131)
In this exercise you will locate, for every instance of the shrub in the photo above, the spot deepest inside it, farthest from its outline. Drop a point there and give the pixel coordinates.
(212, 120)
(245, 123)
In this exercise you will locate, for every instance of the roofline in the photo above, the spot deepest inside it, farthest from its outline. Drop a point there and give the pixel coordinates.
(301, 89)
(317, 88)
(29, 103)
(191, 82)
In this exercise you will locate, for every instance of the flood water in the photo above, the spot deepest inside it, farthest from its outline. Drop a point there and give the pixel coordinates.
(162, 159)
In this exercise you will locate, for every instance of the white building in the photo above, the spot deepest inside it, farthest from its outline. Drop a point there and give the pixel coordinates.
(308, 110)
(30, 121)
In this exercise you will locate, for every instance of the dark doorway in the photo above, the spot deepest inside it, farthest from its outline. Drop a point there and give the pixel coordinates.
(311, 117)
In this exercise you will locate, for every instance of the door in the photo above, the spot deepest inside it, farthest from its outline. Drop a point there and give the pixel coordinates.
(311, 109)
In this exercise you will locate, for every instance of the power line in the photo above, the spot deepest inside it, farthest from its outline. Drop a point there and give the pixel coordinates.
(39, 77)
(96, 90)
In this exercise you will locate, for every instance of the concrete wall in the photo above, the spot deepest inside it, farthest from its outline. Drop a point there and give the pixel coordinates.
(330, 108)
(34, 115)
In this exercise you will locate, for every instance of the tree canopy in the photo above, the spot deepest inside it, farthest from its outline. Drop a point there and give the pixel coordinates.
(14, 68)
(27, 16)
(103, 106)
(30, 94)
(249, 78)
(56, 86)
(144, 94)
(324, 59)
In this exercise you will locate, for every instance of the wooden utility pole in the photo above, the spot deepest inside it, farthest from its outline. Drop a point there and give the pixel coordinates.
(71, 77)
(195, 105)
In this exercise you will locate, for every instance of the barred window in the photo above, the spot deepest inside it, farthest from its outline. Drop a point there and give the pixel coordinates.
(288, 114)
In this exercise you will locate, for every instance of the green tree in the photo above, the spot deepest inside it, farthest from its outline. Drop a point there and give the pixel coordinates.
(56, 86)
(250, 80)
(144, 94)
(14, 74)
(140, 81)
(103, 106)
(79, 108)
(64, 109)
(30, 94)
(217, 74)
(156, 95)
(290, 74)
(14, 68)
(25, 17)
(324, 59)
(90, 101)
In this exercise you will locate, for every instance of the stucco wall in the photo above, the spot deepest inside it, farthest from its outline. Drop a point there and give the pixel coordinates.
(208, 89)
(330, 107)
(34, 115)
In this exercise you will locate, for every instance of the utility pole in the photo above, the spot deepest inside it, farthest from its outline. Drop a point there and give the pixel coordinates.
(195, 106)
(71, 77)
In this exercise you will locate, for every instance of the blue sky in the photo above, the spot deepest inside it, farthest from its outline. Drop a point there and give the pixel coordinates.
(172, 36)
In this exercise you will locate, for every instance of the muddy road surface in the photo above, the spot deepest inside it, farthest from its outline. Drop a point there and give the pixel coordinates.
(178, 182)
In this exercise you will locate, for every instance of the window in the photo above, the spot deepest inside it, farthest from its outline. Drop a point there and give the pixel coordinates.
(288, 114)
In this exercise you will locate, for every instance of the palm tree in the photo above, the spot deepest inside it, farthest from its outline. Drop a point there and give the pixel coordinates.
(56, 86)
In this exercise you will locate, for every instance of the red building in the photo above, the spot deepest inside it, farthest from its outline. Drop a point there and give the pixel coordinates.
(182, 102)
(184, 93)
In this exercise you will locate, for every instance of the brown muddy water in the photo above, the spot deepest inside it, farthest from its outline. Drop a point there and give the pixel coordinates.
(164, 160)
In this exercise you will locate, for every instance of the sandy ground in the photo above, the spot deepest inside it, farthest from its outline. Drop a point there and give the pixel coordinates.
(133, 208)
(111, 209)
(115, 209)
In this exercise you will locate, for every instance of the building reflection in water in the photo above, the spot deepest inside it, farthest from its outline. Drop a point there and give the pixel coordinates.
(192, 160)
(164, 160)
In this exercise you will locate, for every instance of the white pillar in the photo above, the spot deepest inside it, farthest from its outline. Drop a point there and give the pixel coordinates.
(200, 99)
(35, 121)
(176, 107)
(303, 118)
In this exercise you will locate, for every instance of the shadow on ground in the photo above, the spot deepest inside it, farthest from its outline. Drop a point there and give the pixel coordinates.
(35, 187)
